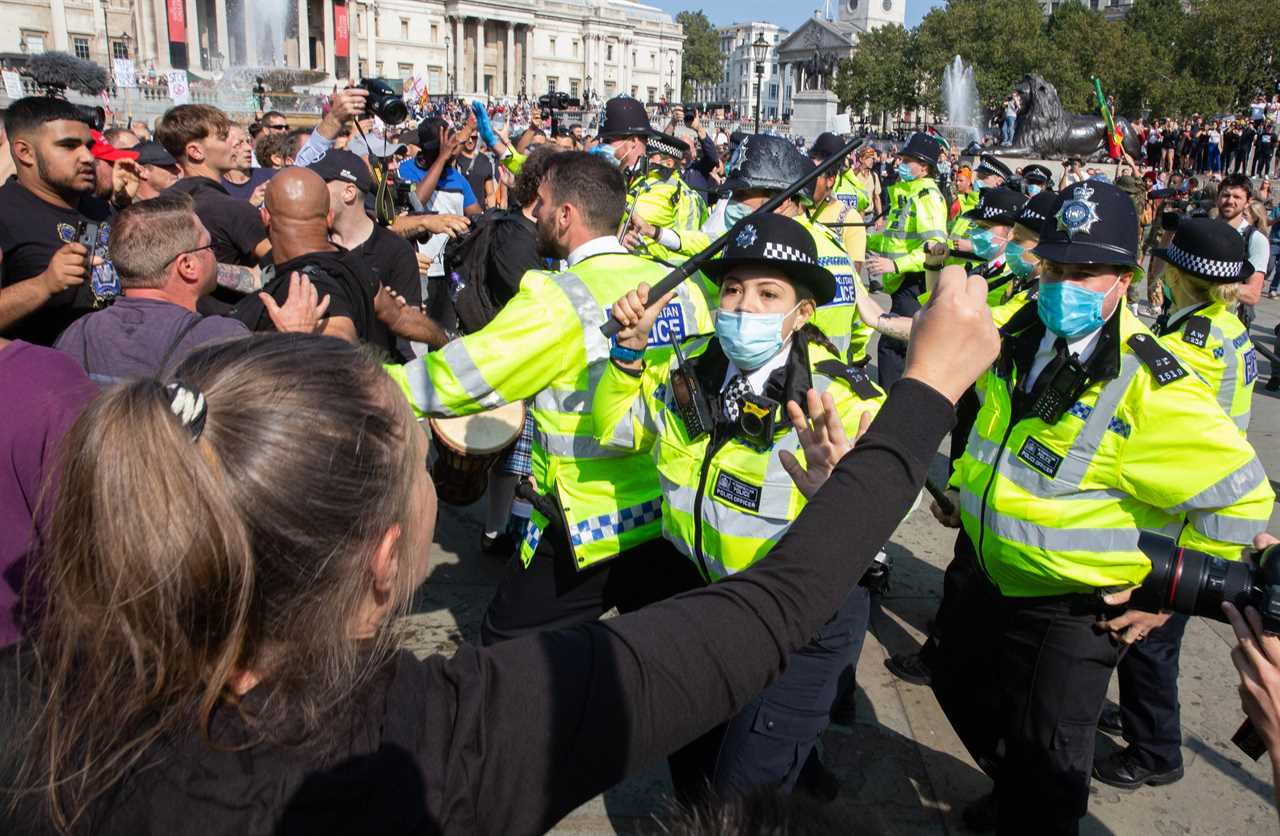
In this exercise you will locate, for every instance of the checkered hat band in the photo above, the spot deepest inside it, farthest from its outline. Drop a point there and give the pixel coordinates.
(1203, 266)
(660, 146)
(782, 252)
(1029, 215)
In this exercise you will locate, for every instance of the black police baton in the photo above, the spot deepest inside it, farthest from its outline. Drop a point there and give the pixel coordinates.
(694, 264)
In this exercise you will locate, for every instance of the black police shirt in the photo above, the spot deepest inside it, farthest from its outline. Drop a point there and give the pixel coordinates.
(31, 231)
(234, 225)
(478, 170)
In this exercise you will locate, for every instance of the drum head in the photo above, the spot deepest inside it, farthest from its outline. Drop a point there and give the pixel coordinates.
(482, 433)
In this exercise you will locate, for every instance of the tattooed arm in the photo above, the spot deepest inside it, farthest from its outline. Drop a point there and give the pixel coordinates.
(238, 278)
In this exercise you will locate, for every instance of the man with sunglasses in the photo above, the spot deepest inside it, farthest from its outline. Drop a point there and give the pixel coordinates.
(166, 266)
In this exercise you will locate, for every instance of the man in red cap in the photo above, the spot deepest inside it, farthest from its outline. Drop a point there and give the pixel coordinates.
(117, 172)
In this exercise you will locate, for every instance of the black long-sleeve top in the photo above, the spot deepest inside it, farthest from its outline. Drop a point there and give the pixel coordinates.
(510, 739)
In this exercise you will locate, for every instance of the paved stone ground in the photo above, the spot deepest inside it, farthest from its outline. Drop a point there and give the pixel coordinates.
(901, 762)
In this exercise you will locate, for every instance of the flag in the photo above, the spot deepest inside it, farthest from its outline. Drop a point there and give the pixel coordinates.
(1115, 139)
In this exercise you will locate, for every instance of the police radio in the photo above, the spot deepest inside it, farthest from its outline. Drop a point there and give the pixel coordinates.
(1066, 381)
(694, 409)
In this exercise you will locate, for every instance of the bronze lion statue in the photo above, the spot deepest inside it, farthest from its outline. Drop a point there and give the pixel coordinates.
(1045, 131)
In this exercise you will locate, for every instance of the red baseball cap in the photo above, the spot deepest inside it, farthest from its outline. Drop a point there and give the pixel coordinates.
(105, 151)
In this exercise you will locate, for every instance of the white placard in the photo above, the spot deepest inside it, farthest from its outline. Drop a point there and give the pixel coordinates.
(12, 85)
(126, 73)
(178, 89)
(840, 124)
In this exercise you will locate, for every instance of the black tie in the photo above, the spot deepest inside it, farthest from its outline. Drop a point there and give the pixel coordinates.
(732, 398)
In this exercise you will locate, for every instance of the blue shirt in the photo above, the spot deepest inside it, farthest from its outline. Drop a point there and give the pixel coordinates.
(450, 181)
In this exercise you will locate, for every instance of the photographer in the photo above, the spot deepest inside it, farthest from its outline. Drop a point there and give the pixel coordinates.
(47, 280)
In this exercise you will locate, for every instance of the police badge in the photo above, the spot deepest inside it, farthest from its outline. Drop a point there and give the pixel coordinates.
(746, 237)
(1078, 213)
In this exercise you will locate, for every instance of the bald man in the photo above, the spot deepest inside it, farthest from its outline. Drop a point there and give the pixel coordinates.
(297, 217)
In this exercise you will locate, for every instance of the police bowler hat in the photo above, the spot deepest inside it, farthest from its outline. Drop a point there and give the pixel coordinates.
(762, 161)
(989, 166)
(1208, 249)
(1091, 223)
(773, 240)
(923, 147)
(624, 116)
(826, 146)
(999, 206)
(1038, 211)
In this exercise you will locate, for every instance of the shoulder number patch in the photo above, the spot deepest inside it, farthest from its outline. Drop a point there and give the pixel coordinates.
(1197, 331)
(858, 379)
(737, 492)
(1040, 457)
(1164, 367)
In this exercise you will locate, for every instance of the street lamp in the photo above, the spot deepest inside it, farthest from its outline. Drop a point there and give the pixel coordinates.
(759, 51)
(586, 94)
(448, 72)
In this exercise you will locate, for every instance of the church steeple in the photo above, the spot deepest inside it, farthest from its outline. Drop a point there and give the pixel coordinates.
(869, 14)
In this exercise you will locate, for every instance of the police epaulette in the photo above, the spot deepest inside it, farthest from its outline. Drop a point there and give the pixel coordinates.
(857, 378)
(1197, 331)
(1164, 367)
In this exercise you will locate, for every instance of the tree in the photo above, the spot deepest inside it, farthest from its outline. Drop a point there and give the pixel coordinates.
(701, 60)
(881, 74)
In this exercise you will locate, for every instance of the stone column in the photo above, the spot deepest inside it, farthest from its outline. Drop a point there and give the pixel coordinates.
(459, 29)
(224, 43)
(509, 62)
(193, 37)
(160, 28)
(370, 43)
(527, 57)
(479, 88)
(304, 35)
(330, 64)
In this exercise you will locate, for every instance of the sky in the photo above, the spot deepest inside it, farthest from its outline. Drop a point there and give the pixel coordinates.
(724, 12)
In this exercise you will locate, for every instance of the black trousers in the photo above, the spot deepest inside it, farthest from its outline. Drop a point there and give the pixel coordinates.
(1149, 706)
(1045, 667)
(891, 354)
(551, 593)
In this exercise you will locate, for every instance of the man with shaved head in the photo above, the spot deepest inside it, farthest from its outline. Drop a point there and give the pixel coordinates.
(297, 216)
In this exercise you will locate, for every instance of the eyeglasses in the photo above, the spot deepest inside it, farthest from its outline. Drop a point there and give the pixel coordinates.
(208, 246)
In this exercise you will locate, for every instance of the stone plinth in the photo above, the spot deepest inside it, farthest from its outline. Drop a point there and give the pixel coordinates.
(812, 112)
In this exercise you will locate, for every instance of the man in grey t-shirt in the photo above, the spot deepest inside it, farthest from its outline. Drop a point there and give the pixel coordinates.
(168, 266)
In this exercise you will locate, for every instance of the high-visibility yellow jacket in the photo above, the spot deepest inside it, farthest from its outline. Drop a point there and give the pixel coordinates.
(725, 502)
(1056, 508)
(660, 197)
(1213, 343)
(917, 215)
(839, 318)
(546, 344)
(833, 214)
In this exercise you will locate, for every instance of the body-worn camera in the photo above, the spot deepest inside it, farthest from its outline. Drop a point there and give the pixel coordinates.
(756, 419)
(384, 102)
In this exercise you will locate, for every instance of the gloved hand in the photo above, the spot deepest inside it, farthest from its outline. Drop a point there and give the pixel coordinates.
(482, 125)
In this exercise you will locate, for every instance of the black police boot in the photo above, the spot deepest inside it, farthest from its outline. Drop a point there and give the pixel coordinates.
(1126, 770)
(503, 545)
(1110, 721)
(816, 780)
(980, 816)
(909, 667)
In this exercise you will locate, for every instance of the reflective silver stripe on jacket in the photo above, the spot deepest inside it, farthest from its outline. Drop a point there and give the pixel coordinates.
(575, 446)
(1230, 373)
(464, 370)
(1025, 532)
(1226, 529)
(902, 235)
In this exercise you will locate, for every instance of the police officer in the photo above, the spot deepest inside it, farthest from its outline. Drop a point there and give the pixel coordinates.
(1089, 431)
(990, 173)
(1204, 265)
(594, 540)
(840, 200)
(660, 205)
(917, 215)
(1036, 178)
(991, 230)
(764, 165)
(718, 426)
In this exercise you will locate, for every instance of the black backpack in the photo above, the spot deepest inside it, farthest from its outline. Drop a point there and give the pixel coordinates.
(466, 266)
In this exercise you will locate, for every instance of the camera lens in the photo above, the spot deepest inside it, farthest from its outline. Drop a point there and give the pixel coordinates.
(1192, 582)
(751, 424)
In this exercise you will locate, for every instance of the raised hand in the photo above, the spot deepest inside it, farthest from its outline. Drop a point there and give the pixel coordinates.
(823, 439)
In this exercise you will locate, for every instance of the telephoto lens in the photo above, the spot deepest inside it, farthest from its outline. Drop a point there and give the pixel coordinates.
(1194, 583)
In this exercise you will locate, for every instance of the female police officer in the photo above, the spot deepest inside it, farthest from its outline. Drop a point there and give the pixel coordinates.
(716, 424)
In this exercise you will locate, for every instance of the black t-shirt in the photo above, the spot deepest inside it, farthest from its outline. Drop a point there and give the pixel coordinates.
(478, 170)
(346, 280)
(235, 225)
(392, 261)
(31, 231)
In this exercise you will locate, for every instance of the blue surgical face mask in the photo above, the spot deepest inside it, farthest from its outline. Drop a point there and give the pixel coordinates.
(1014, 257)
(985, 243)
(1071, 311)
(905, 173)
(735, 211)
(606, 150)
(750, 339)
(978, 185)
(1033, 189)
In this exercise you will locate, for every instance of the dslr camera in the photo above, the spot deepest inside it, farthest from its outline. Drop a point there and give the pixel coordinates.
(384, 102)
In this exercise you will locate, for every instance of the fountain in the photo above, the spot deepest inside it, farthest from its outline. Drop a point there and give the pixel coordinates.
(960, 101)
